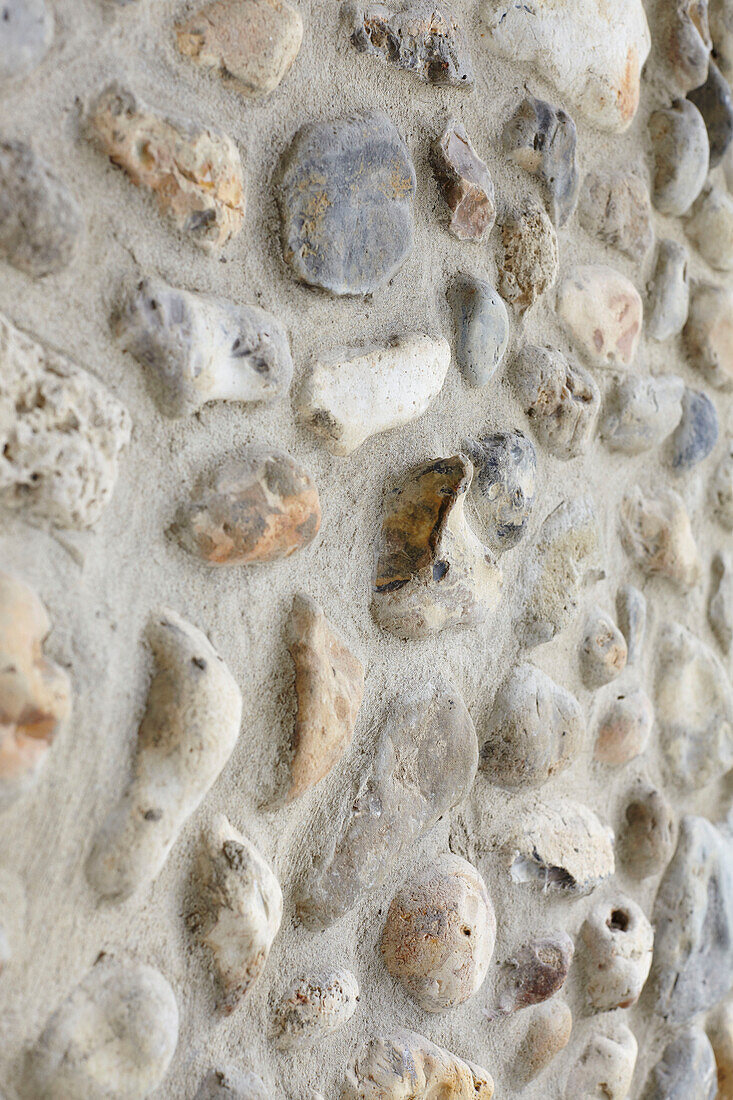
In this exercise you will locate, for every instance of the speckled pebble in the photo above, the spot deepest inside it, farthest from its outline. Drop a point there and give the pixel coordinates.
(504, 486)
(721, 489)
(530, 259)
(617, 946)
(425, 40)
(561, 400)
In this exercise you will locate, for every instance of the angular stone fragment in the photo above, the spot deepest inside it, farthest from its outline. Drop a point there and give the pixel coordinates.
(603, 651)
(554, 570)
(439, 934)
(251, 44)
(431, 571)
(617, 947)
(697, 432)
(196, 173)
(41, 222)
(348, 396)
(657, 536)
(694, 704)
(641, 412)
(530, 257)
(715, 103)
(605, 1069)
(482, 328)
(693, 917)
(26, 34)
(535, 730)
(681, 153)
(200, 349)
(646, 841)
(542, 139)
(61, 435)
(561, 399)
(232, 1084)
(259, 508)
(404, 1065)
(35, 693)
(710, 227)
(686, 1070)
(425, 40)
(547, 1035)
(603, 312)
(562, 848)
(113, 1036)
(345, 200)
(503, 489)
(313, 1008)
(669, 293)
(720, 1032)
(709, 334)
(615, 207)
(721, 490)
(424, 763)
(466, 184)
(593, 54)
(536, 973)
(188, 731)
(329, 685)
(720, 604)
(689, 43)
(237, 911)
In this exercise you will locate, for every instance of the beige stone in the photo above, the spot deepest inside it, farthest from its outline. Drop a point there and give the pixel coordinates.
(617, 950)
(313, 1008)
(657, 535)
(720, 1033)
(709, 333)
(530, 256)
(605, 1067)
(547, 1035)
(710, 227)
(405, 1065)
(603, 312)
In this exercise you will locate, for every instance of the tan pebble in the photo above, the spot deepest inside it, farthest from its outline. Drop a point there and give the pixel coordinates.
(710, 227)
(605, 1067)
(561, 847)
(603, 312)
(617, 949)
(561, 400)
(708, 333)
(603, 651)
(405, 1065)
(530, 258)
(536, 973)
(646, 839)
(313, 1008)
(466, 184)
(657, 535)
(688, 43)
(721, 489)
(625, 728)
(615, 207)
(548, 1034)
(720, 604)
(720, 1033)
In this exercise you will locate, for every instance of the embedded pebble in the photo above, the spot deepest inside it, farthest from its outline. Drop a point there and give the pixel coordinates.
(697, 432)
(721, 489)
(710, 227)
(605, 1069)
(345, 198)
(617, 949)
(329, 685)
(26, 34)
(542, 140)
(646, 840)
(715, 103)
(561, 399)
(554, 570)
(686, 1070)
(693, 920)
(313, 1008)
(681, 153)
(721, 30)
(61, 435)
(593, 54)
(562, 848)
(530, 258)
(404, 1065)
(720, 604)
(189, 729)
(640, 412)
(113, 1036)
(41, 223)
(196, 173)
(431, 570)
(603, 312)
(35, 693)
(536, 973)
(631, 611)
(615, 207)
(657, 535)
(482, 328)
(261, 507)
(423, 765)
(720, 1033)
(232, 1084)
(668, 303)
(250, 45)
(237, 910)
(439, 934)
(349, 396)
(694, 705)
(535, 730)
(709, 333)
(603, 650)
(466, 184)
(504, 486)
(689, 43)
(200, 349)
(626, 726)
(425, 40)
(547, 1035)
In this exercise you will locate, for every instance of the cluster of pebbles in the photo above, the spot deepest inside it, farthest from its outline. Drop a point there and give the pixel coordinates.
(462, 535)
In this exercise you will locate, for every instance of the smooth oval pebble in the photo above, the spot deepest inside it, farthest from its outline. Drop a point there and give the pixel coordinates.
(625, 727)
(504, 486)
(313, 1008)
(657, 535)
(646, 838)
(561, 400)
(669, 293)
(542, 139)
(615, 207)
(710, 227)
(617, 953)
(605, 1068)
(688, 42)
(603, 312)
(686, 1070)
(26, 34)
(715, 103)
(697, 432)
(681, 153)
(709, 333)
(482, 328)
(547, 1035)
(641, 412)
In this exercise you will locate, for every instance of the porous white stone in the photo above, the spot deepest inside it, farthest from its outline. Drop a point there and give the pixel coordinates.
(404, 1065)
(560, 398)
(562, 848)
(605, 1068)
(313, 1008)
(617, 949)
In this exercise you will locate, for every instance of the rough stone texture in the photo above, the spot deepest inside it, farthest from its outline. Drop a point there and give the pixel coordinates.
(668, 302)
(603, 312)
(196, 173)
(603, 651)
(482, 328)
(605, 1068)
(657, 536)
(720, 1033)
(504, 486)
(720, 604)
(425, 40)
(709, 334)
(26, 34)
(646, 838)
(543, 139)
(466, 184)
(313, 1008)
(536, 972)
(403, 1063)
(250, 43)
(562, 848)
(530, 257)
(615, 208)
(61, 435)
(617, 944)
(641, 412)
(346, 193)
(721, 30)
(686, 1070)
(681, 153)
(710, 227)
(232, 1084)
(562, 400)
(715, 103)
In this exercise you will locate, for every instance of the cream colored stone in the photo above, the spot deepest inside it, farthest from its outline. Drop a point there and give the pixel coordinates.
(720, 1033)
(530, 258)
(603, 651)
(547, 1035)
(709, 333)
(561, 847)
(657, 535)
(617, 947)
(720, 603)
(710, 227)
(406, 1066)
(313, 1008)
(603, 312)
(605, 1069)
